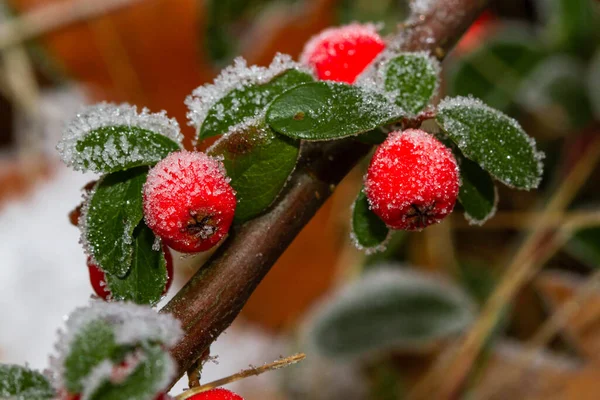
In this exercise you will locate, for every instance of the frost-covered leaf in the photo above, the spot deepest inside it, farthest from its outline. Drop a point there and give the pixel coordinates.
(108, 138)
(109, 218)
(328, 110)
(105, 334)
(585, 246)
(478, 194)
(235, 77)
(387, 308)
(20, 383)
(259, 162)
(412, 78)
(556, 90)
(369, 232)
(146, 280)
(493, 140)
(247, 102)
(150, 377)
(494, 72)
(93, 344)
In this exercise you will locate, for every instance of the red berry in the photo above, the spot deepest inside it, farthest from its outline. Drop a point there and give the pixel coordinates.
(98, 277)
(98, 280)
(188, 201)
(341, 54)
(412, 181)
(216, 394)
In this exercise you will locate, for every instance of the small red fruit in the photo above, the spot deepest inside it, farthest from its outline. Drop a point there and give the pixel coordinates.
(412, 181)
(98, 277)
(216, 394)
(341, 54)
(188, 201)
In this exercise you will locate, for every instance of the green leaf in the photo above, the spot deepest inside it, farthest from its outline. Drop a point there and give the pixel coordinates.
(585, 246)
(117, 148)
(376, 136)
(146, 280)
(413, 79)
(389, 308)
(494, 72)
(478, 194)
(113, 212)
(368, 230)
(493, 140)
(328, 110)
(259, 162)
(93, 343)
(572, 24)
(246, 102)
(20, 383)
(557, 92)
(593, 84)
(151, 376)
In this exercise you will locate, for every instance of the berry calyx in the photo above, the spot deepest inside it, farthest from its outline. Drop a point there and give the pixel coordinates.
(98, 277)
(188, 201)
(412, 181)
(216, 394)
(341, 54)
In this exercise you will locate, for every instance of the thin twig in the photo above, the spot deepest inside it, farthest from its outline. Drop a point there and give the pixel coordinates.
(54, 16)
(448, 372)
(281, 363)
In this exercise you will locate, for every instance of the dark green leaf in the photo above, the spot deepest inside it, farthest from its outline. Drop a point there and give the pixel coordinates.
(368, 230)
(146, 280)
(151, 376)
(478, 194)
(20, 383)
(593, 84)
(393, 249)
(572, 24)
(247, 102)
(557, 92)
(259, 162)
(116, 148)
(113, 212)
(389, 308)
(585, 245)
(494, 72)
(413, 80)
(493, 140)
(93, 343)
(376, 136)
(327, 110)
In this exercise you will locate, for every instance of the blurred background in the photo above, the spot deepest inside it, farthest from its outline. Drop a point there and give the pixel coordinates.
(536, 60)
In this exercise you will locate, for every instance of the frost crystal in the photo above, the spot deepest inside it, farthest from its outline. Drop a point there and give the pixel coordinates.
(106, 115)
(132, 324)
(233, 77)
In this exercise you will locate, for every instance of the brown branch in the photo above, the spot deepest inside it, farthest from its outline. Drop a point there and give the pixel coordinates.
(212, 299)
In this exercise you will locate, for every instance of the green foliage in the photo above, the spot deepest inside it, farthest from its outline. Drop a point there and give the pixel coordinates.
(493, 140)
(117, 148)
(259, 163)
(585, 246)
(368, 230)
(327, 110)
(146, 280)
(478, 194)
(20, 383)
(389, 308)
(247, 102)
(113, 212)
(572, 25)
(412, 78)
(94, 343)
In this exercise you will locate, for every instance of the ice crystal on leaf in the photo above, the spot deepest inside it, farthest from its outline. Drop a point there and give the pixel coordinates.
(107, 137)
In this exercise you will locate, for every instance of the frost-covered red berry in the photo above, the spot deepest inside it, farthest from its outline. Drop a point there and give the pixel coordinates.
(98, 277)
(341, 54)
(412, 181)
(216, 394)
(188, 201)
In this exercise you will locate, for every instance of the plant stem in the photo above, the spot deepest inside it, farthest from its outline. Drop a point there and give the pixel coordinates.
(212, 299)
(282, 362)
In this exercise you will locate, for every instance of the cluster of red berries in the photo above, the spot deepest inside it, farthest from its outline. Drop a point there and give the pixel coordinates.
(413, 179)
